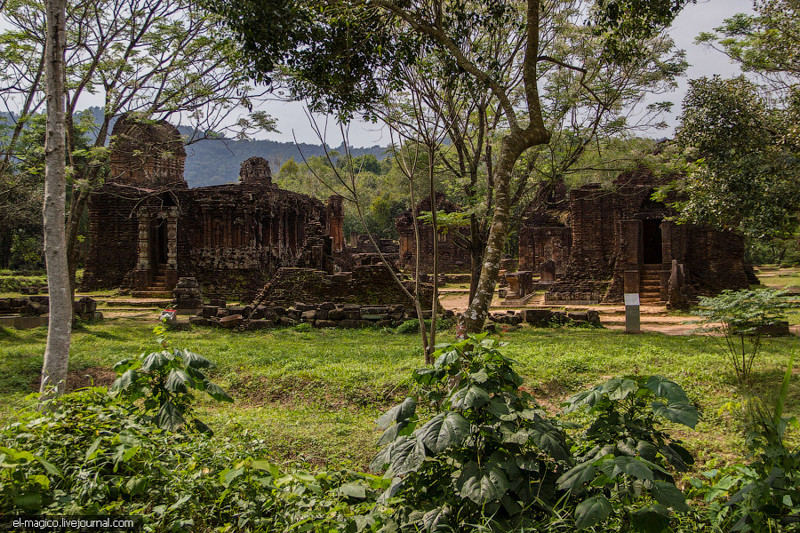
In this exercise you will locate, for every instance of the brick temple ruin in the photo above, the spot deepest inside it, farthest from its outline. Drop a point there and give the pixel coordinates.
(595, 244)
(147, 229)
(452, 257)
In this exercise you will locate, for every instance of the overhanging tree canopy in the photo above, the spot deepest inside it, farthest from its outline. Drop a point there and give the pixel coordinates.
(339, 55)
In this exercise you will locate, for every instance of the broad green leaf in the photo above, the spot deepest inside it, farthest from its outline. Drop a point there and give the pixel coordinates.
(216, 392)
(666, 388)
(227, 476)
(669, 495)
(382, 459)
(679, 412)
(529, 462)
(406, 455)
(630, 466)
(30, 501)
(91, 453)
(122, 366)
(178, 381)
(677, 456)
(499, 409)
(436, 520)
(482, 484)
(124, 381)
(169, 417)
(443, 431)
(646, 450)
(470, 397)
(592, 511)
(619, 388)
(589, 397)
(195, 361)
(574, 478)
(427, 376)
(652, 519)
(136, 485)
(50, 467)
(398, 413)
(391, 433)
(155, 361)
(262, 465)
(549, 439)
(353, 490)
(480, 376)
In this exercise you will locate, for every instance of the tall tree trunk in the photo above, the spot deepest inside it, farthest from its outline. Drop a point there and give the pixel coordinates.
(56, 355)
(473, 319)
(435, 252)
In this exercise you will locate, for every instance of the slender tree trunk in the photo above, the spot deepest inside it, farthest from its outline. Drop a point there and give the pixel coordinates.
(56, 355)
(435, 251)
(473, 319)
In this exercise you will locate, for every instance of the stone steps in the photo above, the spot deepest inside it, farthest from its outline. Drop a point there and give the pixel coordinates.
(152, 294)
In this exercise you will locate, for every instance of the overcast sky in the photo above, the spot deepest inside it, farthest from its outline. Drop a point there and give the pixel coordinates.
(695, 18)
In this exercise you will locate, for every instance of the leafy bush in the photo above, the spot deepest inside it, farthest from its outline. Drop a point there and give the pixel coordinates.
(164, 379)
(624, 453)
(109, 462)
(763, 495)
(488, 449)
(490, 453)
(743, 317)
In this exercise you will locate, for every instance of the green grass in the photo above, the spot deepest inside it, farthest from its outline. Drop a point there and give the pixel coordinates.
(313, 396)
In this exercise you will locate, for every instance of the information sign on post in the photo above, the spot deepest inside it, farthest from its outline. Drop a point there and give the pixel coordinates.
(632, 320)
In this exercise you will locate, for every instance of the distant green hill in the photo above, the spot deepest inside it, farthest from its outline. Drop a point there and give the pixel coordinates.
(214, 162)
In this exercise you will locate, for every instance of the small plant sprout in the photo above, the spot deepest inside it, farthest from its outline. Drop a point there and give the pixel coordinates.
(743, 318)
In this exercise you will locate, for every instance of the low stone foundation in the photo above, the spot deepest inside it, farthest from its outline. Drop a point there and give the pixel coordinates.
(324, 315)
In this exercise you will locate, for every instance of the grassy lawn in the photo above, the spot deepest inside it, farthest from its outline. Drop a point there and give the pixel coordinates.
(313, 396)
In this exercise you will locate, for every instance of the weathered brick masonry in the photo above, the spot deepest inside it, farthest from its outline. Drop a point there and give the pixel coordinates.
(147, 228)
(619, 240)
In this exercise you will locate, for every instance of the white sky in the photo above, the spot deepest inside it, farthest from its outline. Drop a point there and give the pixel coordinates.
(704, 61)
(695, 18)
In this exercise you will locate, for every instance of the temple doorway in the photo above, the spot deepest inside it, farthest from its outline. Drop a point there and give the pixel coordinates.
(159, 251)
(651, 242)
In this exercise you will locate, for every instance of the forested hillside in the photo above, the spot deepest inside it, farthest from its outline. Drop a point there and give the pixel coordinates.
(213, 162)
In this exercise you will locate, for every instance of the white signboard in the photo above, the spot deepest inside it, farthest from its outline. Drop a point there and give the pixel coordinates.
(632, 299)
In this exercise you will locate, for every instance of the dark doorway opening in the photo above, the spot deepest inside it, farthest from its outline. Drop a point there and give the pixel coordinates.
(158, 244)
(651, 241)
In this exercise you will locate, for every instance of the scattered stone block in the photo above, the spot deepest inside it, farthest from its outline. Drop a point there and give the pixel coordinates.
(230, 321)
(260, 324)
(209, 311)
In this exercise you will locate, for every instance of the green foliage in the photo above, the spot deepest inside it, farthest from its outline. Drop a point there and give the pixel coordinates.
(764, 42)
(763, 495)
(412, 326)
(744, 172)
(164, 381)
(742, 317)
(111, 463)
(623, 453)
(488, 449)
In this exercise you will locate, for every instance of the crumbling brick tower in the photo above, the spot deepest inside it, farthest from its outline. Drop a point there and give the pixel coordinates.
(147, 228)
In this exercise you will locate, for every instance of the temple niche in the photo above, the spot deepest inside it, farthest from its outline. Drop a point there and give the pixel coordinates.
(608, 242)
(147, 228)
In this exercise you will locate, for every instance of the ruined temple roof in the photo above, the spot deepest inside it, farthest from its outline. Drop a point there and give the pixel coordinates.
(132, 135)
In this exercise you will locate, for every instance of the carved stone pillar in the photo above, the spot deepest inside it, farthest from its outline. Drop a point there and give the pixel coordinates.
(141, 276)
(171, 275)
